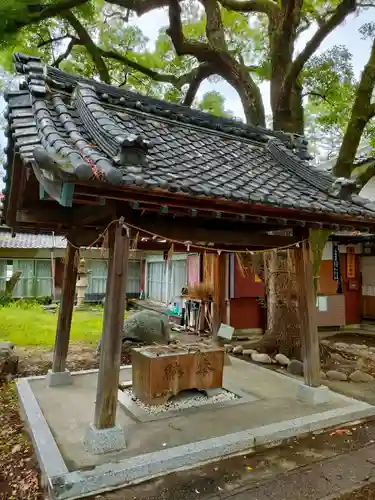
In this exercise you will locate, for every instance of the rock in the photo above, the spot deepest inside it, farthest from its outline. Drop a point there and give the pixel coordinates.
(228, 347)
(6, 345)
(261, 358)
(336, 375)
(295, 367)
(372, 349)
(249, 352)
(340, 345)
(147, 327)
(282, 359)
(359, 376)
(8, 360)
(323, 375)
(238, 349)
(337, 357)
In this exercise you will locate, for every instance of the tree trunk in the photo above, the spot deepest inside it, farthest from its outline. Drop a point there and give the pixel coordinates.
(362, 112)
(283, 332)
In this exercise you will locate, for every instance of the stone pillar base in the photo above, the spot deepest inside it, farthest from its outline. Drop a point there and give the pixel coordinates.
(99, 441)
(314, 395)
(56, 379)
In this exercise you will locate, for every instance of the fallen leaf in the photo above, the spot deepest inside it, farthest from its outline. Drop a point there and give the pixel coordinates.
(341, 432)
(249, 468)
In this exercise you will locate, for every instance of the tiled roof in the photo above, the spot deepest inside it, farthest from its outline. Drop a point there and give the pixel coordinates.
(81, 130)
(363, 155)
(31, 241)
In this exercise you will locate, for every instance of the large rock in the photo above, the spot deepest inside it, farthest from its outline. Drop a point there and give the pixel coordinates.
(238, 349)
(8, 360)
(249, 352)
(341, 345)
(282, 359)
(147, 326)
(359, 376)
(336, 375)
(144, 327)
(335, 356)
(261, 358)
(295, 367)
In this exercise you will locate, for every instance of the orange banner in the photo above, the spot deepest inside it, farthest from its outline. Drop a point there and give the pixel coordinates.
(350, 262)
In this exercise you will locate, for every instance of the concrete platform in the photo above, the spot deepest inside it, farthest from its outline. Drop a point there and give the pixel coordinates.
(58, 419)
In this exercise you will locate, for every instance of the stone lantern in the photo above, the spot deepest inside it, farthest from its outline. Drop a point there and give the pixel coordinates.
(82, 283)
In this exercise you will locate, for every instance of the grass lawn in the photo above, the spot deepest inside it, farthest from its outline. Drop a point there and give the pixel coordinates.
(31, 325)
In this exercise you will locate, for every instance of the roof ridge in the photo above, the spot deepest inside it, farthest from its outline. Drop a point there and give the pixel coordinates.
(66, 81)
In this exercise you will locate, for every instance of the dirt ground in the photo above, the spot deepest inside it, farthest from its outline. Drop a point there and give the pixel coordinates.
(37, 361)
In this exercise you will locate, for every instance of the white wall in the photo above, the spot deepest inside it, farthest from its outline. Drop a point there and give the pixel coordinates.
(327, 252)
(368, 190)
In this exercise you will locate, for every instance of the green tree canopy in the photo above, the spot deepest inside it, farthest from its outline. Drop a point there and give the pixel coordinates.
(244, 42)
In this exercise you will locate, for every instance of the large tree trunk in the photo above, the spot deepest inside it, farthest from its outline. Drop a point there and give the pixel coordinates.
(363, 110)
(283, 329)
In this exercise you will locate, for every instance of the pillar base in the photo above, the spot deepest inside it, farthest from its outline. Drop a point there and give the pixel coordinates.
(314, 395)
(100, 441)
(56, 379)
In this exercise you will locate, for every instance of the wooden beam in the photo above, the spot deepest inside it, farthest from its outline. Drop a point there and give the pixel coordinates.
(307, 315)
(183, 229)
(88, 214)
(75, 216)
(114, 310)
(65, 312)
(160, 197)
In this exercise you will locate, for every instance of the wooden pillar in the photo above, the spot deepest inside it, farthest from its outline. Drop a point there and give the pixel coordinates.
(307, 315)
(220, 297)
(65, 312)
(114, 310)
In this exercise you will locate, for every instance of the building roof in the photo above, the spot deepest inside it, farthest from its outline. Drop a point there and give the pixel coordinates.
(30, 241)
(364, 155)
(78, 130)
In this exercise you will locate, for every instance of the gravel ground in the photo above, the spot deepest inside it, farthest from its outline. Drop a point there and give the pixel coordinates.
(182, 401)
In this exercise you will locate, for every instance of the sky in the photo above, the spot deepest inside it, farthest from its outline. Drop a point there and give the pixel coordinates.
(347, 34)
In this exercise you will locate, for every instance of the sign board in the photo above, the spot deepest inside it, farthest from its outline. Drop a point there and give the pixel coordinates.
(225, 332)
(350, 262)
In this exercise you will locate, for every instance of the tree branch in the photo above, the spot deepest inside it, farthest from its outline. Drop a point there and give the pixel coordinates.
(92, 49)
(202, 51)
(177, 81)
(40, 12)
(74, 41)
(371, 111)
(224, 64)
(43, 43)
(202, 72)
(140, 7)
(345, 8)
(214, 25)
(263, 6)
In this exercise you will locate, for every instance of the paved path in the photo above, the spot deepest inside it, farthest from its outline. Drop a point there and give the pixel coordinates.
(327, 480)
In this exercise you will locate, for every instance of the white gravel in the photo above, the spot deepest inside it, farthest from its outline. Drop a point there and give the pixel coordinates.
(183, 401)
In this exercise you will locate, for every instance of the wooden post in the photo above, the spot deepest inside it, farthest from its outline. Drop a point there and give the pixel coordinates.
(307, 315)
(221, 285)
(65, 312)
(114, 309)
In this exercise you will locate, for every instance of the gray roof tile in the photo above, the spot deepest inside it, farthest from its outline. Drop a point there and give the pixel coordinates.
(135, 140)
(31, 241)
